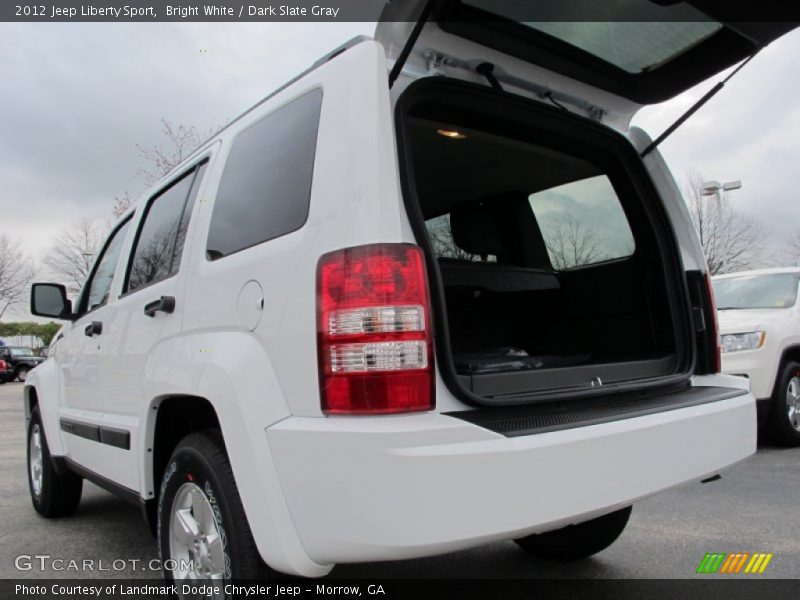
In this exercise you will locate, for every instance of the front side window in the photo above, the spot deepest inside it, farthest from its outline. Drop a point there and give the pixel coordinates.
(265, 189)
(159, 245)
(21, 352)
(100, 283)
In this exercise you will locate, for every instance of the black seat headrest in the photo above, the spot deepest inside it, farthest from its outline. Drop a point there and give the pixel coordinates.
(474, 229)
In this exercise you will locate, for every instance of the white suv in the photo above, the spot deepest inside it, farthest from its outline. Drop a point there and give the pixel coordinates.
(759, 320)
(431, 293)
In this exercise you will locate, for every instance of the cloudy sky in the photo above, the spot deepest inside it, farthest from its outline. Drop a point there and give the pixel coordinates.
(77, 98)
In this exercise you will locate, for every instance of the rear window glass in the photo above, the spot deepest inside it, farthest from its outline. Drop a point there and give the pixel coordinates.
(266, 185)
(491, 199)
(582, 223)
(636, 35)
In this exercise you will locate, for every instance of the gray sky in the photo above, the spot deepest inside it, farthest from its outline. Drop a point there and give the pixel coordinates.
(77, 98)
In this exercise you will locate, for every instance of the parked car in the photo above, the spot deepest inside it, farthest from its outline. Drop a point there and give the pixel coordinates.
(759, 321)
(21, 360)
(339, 331)
(6, 372)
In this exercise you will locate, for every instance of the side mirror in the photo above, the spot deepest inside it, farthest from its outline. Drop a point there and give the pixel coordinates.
(50, 300)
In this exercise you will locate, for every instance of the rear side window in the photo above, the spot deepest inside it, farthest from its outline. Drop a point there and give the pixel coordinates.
(266, 185)
(582, 223)
(159, 244)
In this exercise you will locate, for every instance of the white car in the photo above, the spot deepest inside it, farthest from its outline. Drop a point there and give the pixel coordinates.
(759, 321)
(344, 330)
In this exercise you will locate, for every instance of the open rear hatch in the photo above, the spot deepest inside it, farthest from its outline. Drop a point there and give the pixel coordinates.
(554, 269)
(605, 59)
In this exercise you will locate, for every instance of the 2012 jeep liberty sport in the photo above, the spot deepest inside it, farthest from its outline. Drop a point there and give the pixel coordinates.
(411, 302)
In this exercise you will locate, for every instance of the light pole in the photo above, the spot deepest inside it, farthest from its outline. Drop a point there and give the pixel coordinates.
(717, 189)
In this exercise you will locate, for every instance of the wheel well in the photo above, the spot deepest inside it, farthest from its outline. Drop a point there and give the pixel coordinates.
(176, 417)
(31, 400)
(791, 353)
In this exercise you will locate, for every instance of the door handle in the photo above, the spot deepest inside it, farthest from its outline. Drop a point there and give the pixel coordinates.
(93, 328)
(165, 304)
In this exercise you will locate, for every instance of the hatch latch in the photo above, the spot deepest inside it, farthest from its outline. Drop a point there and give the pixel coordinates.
(436, 61)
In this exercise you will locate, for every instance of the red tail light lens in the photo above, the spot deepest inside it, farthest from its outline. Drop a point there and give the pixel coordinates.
(714, 325)
(373, 327)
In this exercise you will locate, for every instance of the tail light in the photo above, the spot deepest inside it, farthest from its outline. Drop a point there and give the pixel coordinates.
(373, 327)
(3, 365)
(713, 326)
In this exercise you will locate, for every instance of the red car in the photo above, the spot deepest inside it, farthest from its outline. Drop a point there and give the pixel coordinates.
(6, 372)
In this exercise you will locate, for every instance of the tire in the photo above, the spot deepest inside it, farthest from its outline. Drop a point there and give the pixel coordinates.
(53, 493)
(783, 423)
(22, 374)
(201, 518)
(577, 541)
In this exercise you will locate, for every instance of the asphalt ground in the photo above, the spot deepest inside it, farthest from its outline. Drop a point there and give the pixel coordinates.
(755, 507)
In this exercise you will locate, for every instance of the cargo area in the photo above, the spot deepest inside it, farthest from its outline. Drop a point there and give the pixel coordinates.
(553, 268)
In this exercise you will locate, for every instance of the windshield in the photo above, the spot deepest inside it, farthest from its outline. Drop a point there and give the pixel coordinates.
(756, 291)
(21, 352)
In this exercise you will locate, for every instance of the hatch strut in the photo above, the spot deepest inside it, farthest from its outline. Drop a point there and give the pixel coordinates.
(693, 109)
(412, 39)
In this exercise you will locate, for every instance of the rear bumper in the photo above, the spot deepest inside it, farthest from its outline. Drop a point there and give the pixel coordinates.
(383, 488)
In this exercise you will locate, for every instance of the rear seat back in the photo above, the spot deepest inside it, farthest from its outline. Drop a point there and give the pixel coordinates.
(493, 230)
(507, 260)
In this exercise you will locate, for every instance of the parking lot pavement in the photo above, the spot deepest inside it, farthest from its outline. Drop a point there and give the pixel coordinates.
(754, 508)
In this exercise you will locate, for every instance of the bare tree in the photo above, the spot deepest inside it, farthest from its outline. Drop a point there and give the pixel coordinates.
(180, 142)
(121, 204)
(731, 240)
(73, 250)
(16, 272)
(791, 249)
(570, 243)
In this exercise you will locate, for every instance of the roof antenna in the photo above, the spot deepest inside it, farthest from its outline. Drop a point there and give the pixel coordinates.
(693, 109)
(487, 70)
(412, 39)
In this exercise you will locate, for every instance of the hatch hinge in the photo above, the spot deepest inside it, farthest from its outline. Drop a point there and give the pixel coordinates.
(596, 113)
(436, 61)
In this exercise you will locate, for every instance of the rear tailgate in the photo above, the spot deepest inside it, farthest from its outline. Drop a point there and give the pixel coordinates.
(604, 59)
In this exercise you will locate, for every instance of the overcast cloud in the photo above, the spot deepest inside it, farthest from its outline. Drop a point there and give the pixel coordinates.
(77, 98)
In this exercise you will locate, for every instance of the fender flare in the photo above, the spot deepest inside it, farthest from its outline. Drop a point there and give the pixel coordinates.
(208, 365)
(45, 383)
